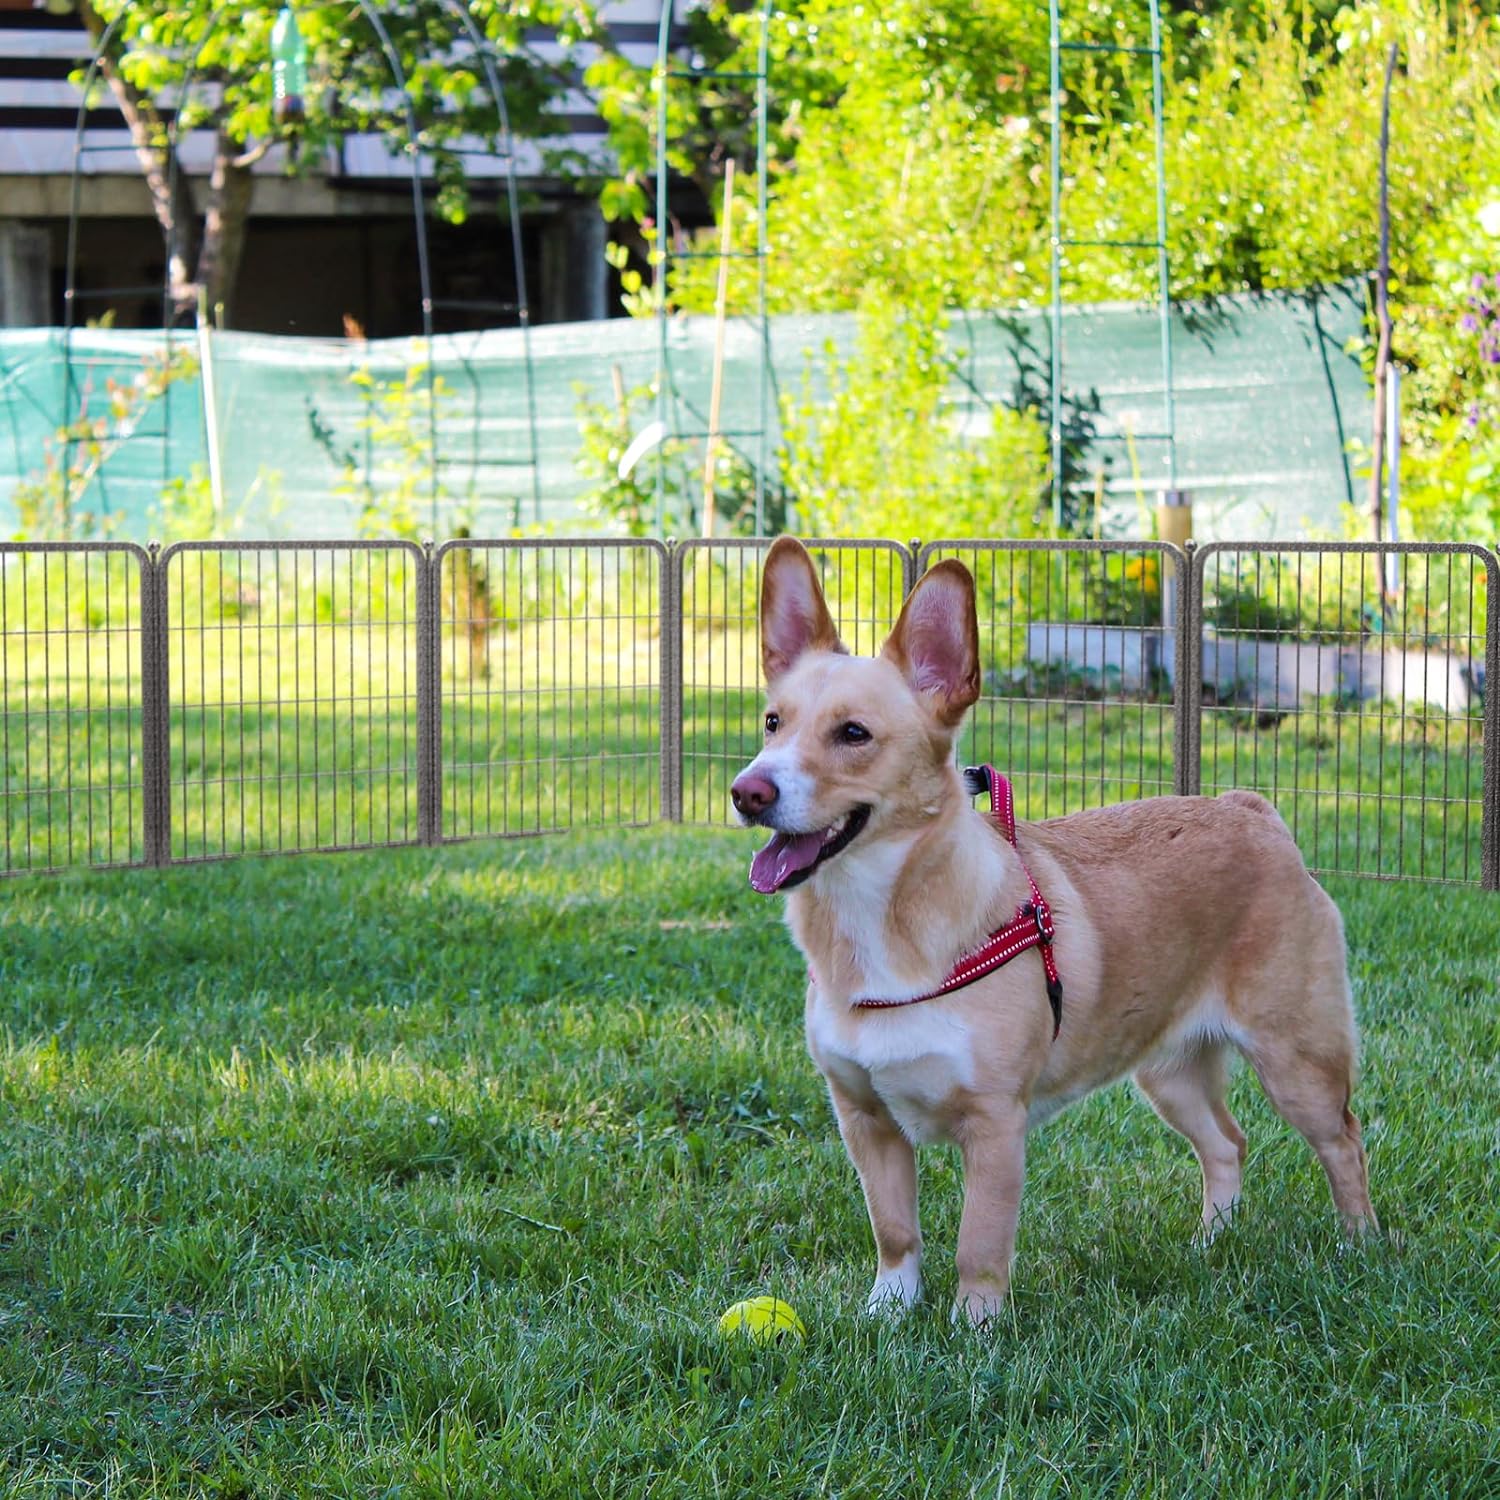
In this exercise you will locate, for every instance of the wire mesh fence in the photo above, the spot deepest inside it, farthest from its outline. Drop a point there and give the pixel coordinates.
(230, 698)
(1347, 683)
(1078, 654)
(550, 685)
(291, 699)
(72, 705)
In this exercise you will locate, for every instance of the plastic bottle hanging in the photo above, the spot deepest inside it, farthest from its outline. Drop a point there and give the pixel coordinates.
(288, 69)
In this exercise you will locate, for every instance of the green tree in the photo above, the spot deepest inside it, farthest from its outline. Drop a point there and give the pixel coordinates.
(1448, 343)
(911, 147)
(909, 160)
(154, 49)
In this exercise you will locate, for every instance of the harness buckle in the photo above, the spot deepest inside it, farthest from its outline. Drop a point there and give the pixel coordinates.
(1041, 914)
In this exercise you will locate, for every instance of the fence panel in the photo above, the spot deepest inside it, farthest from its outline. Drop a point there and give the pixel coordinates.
(1078, 646)
(292, 712)
(551, 682)
(73, 778)
(241, 697)
(1346, 682)
(718, 589)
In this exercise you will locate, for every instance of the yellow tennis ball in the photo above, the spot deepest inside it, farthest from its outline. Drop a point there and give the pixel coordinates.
(762, 1319)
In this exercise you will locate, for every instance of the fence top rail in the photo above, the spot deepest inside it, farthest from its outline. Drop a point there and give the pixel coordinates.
(545, 543)
(1487, 558)
(355, 544)
(1044, 544)
(813, 543)
(1363, 549)
(22, 549)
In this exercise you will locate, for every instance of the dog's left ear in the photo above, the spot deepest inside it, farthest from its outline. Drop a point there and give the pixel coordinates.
(936, 641)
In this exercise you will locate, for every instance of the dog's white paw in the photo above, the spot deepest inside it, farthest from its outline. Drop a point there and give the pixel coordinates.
(979, 1308)
(896, 1288)
(1219, 1218)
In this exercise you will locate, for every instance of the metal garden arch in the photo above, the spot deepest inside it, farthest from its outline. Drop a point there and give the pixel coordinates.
(677, 415)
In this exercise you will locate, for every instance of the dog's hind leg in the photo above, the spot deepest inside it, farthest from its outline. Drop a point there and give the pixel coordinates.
(1187, 1091)
(1308, 1081)
(1296, 1029)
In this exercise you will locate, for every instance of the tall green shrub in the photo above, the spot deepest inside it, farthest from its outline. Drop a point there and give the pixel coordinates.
(883, 451)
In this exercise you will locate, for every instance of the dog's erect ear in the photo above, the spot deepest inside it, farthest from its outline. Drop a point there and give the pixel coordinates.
(793, 615)
(936, 641)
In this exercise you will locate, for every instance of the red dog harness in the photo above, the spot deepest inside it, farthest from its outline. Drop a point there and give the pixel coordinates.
(1032, 927)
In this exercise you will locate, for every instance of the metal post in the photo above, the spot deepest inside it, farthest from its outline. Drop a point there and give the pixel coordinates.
(429, 706)
(670, 597)
(209, 390)
(1489, 849)
(1393, 477)
(1163, 276)
(659, 279)
(763, 253)
(156, 770)
(1187, 688)
(1055, 81)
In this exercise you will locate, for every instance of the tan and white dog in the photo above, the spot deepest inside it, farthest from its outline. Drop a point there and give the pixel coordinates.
(1185, 926)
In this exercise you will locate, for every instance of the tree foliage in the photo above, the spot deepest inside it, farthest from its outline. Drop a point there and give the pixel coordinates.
(910, 163)
(217, 65)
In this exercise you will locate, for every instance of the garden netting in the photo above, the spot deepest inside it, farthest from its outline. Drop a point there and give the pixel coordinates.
(1268, 398)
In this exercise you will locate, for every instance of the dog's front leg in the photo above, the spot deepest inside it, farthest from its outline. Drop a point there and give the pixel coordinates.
(887, 1168)
(993, 1143)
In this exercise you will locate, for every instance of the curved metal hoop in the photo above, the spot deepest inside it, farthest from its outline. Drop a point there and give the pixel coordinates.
(70, 282)
(484, 51)
(668, 401)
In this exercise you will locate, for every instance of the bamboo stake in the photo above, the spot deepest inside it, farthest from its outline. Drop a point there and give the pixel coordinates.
(716, 392)
(210, 393)
(1383, 322)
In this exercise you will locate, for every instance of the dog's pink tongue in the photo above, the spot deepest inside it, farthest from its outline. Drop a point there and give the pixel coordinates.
(782, 858)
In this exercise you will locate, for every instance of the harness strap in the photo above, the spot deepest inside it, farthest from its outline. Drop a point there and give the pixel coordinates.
(1031, 928)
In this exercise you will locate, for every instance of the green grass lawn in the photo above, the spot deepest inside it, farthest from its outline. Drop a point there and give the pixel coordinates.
(428, 1173)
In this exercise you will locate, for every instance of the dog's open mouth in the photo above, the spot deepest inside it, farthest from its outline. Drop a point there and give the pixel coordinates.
(791, 857)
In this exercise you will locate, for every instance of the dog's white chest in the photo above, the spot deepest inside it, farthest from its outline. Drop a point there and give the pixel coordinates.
(914, 1059)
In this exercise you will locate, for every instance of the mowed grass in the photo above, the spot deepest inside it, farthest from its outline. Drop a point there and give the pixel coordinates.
(428, 1173)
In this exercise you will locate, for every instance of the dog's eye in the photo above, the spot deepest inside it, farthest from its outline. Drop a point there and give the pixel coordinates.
(853, 734)
(773, 723)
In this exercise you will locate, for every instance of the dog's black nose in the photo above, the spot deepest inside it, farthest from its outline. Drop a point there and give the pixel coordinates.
(752, 795)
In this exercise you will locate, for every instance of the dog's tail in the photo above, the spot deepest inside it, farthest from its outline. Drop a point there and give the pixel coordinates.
(1254, 802)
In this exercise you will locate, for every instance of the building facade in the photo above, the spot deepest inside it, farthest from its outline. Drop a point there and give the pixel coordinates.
(328, 251)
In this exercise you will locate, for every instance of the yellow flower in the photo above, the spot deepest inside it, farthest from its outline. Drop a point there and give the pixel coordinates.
(1144, 570)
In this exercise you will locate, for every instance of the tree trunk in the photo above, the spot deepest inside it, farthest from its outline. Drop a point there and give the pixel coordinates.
(230, 190)
(171, 194)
